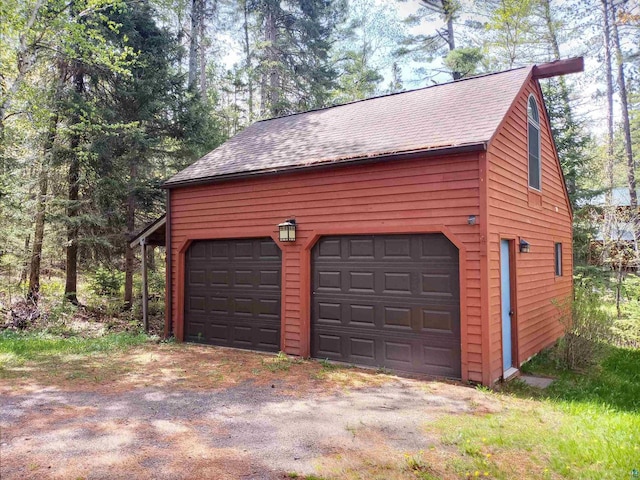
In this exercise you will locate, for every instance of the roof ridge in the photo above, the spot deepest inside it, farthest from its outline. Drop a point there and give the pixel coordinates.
(460, 80)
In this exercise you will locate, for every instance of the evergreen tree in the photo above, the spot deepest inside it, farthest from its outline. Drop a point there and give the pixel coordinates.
(293, 58)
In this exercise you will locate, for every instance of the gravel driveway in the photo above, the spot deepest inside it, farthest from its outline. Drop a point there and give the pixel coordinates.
(267, 424)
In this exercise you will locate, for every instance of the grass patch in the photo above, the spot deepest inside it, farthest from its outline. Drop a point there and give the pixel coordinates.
(280, 362)
(18, 347)
(614, 383)
(584, 426)
(573, 440)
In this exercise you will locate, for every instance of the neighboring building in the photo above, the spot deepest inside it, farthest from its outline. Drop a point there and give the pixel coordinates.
(410, 212)
(621, 240)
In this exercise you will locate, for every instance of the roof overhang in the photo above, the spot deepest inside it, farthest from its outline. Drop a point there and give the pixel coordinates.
(407, 155)
(559, 67)
(152, 234)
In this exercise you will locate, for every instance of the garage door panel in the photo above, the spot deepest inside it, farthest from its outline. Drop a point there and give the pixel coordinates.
(390, 300)
(398, 318)
(268, 309)
(362, 348)
(327, 312)
(361, 282)
(197, 251)
(197, 332)
(361, 248)
(197, 278)
(240, 303)
(270, 279)
(362, 315)
(268, 250)
(386, 314)
(329, 280)
(327, 345)
(440, 357)
(380, 279)
(441, 320)
(396, 248)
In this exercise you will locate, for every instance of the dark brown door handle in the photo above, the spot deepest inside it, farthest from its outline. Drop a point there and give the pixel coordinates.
(511, 312)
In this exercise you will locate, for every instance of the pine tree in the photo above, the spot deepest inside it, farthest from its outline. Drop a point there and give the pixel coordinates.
(293, 58)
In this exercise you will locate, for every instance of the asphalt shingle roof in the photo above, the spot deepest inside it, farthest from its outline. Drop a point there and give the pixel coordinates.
(464, 112)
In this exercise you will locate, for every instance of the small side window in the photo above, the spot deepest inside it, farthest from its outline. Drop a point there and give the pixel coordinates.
(533, 135)
(558, 259)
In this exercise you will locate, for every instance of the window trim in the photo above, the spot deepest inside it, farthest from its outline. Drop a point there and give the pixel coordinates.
(536, 124)
(557, 258)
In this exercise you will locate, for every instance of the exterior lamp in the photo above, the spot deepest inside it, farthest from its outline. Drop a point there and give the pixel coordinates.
(288, 231)
(525, 247)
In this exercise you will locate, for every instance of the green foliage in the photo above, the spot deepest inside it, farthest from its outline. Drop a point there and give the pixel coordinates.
(587, 326)
(417, 464)
(627, 328)
(436, 43)
(364, 49)
(509, 32)
(17, 347)
(106, 281)
(280, 362)
(293, 57)
(465, 61)
(574, 144)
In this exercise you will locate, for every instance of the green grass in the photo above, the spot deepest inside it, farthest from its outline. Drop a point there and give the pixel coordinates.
(18, 347)
(614, 382)
(585, 426)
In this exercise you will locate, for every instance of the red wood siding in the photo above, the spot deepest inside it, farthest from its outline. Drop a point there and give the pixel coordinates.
(411, 196)
(542, 218)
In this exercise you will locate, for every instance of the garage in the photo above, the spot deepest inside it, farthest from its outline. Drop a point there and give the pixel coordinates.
(232, 293)
(388, 301)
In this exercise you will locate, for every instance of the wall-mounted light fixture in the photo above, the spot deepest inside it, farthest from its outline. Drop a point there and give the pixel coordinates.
(471, 220)
(288, 230)
(525, 247)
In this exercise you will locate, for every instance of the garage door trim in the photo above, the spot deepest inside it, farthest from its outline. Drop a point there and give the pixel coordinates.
(393, 229)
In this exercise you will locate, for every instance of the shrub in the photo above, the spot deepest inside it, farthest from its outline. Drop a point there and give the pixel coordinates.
(627, 327)
(105, 281)
(587, 328)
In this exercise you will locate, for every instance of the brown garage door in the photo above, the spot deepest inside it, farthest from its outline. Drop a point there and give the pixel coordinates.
(388, 300)
(232, 293)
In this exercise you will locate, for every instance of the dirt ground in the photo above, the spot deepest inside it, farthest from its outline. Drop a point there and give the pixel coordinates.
(192, 412)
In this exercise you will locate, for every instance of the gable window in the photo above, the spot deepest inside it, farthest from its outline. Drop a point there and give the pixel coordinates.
(558, 259)
(533, 127)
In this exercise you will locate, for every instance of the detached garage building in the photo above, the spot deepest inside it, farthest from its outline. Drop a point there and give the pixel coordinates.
(432, 232)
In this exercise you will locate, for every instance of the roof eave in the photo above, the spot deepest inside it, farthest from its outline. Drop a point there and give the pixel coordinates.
(148, 230)
(407, 155)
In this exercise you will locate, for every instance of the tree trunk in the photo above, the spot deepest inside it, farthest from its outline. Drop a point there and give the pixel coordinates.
(606, 34)
(196, 12)
(73, 207)
(25, 265)
(624, 103)
(41, 207)
(151, 258)
(203, 53)
(270, 75)
(129, 254)
(449, 9)
(247, 52)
